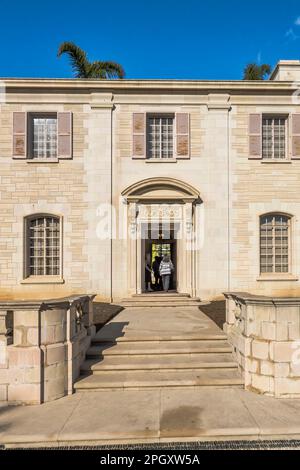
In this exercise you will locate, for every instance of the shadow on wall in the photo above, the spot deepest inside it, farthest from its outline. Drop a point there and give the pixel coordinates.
(104, 312)
(216, 311)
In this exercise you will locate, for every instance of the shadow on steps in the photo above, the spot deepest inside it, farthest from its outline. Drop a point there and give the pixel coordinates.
(216, 311)
(104, 312)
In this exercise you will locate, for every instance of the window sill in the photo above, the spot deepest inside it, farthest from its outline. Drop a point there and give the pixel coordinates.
(276, 162)
(277, 277)
(161, 160)
(42, 160)
(43, 280)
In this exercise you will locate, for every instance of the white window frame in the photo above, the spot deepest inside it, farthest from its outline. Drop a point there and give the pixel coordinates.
(160, 115)
(47, 277)
(30, 138)
(273, 158)
(275, 273)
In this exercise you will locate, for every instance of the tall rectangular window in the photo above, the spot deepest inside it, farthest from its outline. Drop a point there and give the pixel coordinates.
(274, 243)
(43, 246)
(43, 136)
(160, 136)
(274, 132)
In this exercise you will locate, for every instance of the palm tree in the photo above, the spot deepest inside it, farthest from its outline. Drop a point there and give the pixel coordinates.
(83, 68)
(256, 72)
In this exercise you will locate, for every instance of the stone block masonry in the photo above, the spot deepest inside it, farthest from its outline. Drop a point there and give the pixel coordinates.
(265, 336)
(43, 345)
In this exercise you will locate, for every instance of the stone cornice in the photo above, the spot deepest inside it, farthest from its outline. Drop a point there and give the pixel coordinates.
(38, 85)
(246, 298)
(65, 302)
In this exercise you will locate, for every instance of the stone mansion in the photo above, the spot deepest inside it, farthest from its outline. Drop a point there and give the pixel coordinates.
(97, 177)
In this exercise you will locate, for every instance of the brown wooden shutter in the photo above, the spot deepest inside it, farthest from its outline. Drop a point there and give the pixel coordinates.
(64, 135)
(139, 135)
(19, 135)
(255, 136)
(296, 136)
(182, 135)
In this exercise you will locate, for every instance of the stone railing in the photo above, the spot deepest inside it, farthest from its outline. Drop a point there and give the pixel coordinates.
(42, 346)
(265, 335)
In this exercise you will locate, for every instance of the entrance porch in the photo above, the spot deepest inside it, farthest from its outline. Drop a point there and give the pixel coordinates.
(162, 218)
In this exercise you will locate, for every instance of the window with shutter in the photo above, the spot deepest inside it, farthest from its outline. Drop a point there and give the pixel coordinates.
(42, 136)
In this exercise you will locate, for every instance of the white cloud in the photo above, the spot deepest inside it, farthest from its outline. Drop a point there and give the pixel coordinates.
(297, 21)
(290, 34)
(258, 58)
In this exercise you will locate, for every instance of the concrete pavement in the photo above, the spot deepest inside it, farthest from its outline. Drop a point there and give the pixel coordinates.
(144, 416)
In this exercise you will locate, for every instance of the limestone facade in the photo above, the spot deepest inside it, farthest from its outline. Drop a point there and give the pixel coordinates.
(214, 193)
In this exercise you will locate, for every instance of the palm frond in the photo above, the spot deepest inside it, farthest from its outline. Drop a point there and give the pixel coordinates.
(265, 69)
(251, 72)
(78, 58)
(256, 72)
(108, 69)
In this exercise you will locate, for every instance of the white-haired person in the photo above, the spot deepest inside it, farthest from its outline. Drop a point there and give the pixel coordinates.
(165, 270)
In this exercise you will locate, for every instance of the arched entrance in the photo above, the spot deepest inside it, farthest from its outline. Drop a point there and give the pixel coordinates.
(162, 218)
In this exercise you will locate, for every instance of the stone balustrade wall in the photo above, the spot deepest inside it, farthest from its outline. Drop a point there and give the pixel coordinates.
(42, 346)
(265, 335)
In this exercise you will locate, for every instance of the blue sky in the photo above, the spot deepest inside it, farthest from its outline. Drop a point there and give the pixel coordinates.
(151, 39)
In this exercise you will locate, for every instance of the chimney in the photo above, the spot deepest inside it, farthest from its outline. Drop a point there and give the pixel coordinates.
(286, 70)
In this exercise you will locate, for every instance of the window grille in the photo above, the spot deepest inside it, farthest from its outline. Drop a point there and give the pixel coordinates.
(44, 246)
(274, 243)
(274, 131)
(44, 137)
(160, 136)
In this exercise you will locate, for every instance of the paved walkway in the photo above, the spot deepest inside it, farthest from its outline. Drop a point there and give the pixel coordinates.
(158, 323)
(152, 415)
(161, 415)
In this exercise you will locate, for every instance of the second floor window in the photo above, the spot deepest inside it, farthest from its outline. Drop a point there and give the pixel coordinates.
(160, 136)
(43, 131)
(274, 132)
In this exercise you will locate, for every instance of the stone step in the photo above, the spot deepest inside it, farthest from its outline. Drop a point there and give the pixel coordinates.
(161, 299)
(152, 379)
(142, 337)
(165, 303)
(167, 361)
(160, 295)
(159, 348)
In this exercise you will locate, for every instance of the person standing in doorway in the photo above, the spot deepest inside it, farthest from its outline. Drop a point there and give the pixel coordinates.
(157, 276)
(148, 272)
(165, 269)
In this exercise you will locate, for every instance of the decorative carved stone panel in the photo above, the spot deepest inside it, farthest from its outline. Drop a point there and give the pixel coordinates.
(160, 211)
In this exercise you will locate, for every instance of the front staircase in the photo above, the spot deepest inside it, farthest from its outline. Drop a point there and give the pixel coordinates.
(152, 353)
(156, 299)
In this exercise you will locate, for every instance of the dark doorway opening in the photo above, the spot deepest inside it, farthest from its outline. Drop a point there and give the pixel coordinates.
(158, 243)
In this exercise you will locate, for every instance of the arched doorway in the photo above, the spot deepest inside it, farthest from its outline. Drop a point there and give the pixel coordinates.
(162, 218)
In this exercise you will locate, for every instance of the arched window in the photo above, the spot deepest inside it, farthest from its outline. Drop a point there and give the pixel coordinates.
(275, 243)
(43, 245)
